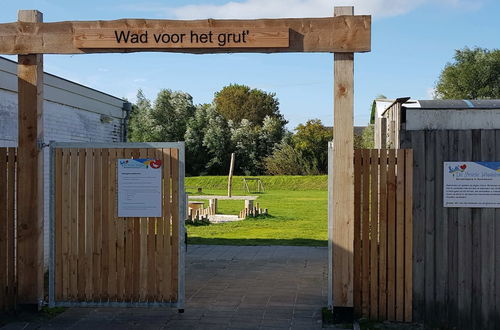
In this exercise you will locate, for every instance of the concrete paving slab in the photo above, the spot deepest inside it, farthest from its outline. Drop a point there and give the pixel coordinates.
(227, 287)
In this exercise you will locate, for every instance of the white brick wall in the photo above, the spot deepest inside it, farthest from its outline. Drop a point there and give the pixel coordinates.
(73, 119)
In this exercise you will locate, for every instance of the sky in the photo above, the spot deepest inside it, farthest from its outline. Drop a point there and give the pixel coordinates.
(412, 40)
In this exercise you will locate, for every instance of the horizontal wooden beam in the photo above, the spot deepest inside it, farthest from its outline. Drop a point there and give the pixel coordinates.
(329, 34)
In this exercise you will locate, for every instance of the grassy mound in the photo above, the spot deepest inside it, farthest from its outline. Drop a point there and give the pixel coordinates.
(276, 182)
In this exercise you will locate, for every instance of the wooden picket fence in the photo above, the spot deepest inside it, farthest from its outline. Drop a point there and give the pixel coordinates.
(383, 229)
(100, 257)
(7, 228)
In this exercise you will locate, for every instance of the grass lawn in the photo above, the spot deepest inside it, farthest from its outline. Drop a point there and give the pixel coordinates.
(296, 217)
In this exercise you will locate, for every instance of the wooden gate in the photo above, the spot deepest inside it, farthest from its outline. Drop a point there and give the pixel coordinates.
(7, 228)
(98, 258)
(383, 234)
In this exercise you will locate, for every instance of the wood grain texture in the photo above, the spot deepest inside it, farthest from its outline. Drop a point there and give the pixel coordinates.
(357, 233)
(374, 233)
(329, 34)
(383, 236)
(4, 237)
(30, 196)
(391, 235)
(343, 174)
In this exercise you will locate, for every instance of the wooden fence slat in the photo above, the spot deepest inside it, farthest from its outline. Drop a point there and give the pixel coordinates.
(159, 255)
(81, 255)
(144, 252)
(65, 209)
(175, 221)
(4, 233)
(167, 211)
(374, 216)
(98, 238)
(89, 222)
(73, 243)
(112, 227)
(129, 248)
(120, 231)
(11, 229)
(430, 198)
(136, 272)
(391, 237)
(383, 236)
(151, 250)
(408, 248)
(357, 233)
(400, 243)
(105, 271)
(365, 232)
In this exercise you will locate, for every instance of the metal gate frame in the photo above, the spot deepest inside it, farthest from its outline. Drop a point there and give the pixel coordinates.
(182, 216)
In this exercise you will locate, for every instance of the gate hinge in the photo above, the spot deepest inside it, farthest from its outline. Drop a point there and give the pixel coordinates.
(41, 144)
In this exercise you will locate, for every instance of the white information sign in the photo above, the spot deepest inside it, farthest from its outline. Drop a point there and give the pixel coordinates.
(139, 187)
(471, 184)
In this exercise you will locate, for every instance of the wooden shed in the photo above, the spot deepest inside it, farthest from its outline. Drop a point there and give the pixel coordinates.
(456, 251)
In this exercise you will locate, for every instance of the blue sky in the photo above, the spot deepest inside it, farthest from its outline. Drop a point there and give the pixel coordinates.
(412, 40)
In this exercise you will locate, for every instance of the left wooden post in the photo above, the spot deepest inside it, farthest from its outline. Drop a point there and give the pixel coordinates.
(30, 174)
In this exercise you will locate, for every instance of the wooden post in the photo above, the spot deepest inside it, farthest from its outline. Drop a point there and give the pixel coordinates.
(343, 175)
(230, 178)
(30, 173)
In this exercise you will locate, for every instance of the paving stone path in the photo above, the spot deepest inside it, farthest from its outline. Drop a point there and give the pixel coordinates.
(227, 287)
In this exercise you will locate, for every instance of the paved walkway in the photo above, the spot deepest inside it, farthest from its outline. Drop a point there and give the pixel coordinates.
(228, 287)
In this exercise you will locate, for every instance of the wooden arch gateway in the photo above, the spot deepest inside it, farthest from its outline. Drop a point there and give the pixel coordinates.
(30, 38)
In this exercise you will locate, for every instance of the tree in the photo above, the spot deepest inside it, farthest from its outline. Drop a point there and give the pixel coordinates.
(196, 152)
(245, 139)
(217, 141)
(311, 140)
(285, 160)
(236, 102)
(474, 74)
(165, 121)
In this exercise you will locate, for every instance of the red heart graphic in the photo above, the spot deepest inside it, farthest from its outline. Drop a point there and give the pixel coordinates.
(156, 163)
(463, 167)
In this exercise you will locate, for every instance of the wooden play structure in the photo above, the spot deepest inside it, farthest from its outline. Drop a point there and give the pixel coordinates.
(257, 183)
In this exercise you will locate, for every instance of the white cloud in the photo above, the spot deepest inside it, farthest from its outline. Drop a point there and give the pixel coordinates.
(306, 8)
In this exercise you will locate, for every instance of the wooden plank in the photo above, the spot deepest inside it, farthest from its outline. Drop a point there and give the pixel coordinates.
(112, 227)
(98, 237)
(105, 220)
(159, 250)
(200, 38)
(66, 207)
(460, 147)
(357, 233)
(174, 157)
(120, 224)
(391, 236)
(29, 248)
(89, 222)
(383, 236)
(488, 241)
(151, 250)
(329, 34)
(343, 174)
(476, 247)
(58, 234)
(136, 249)
(143, 272)
(167, 212)
(11, 229)
(497, 242)
(129, 247)
(81, 255)
(73, 226)
(4, 238)
(408, 258)
(365, 232)
(400, 234)
(374, 234)
(430, 198)
(416, 140)
(441, 228)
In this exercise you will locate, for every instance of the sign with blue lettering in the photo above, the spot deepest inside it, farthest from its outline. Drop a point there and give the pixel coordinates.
(471, 184)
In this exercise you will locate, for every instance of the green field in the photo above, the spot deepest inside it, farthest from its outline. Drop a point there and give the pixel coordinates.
(297, 212)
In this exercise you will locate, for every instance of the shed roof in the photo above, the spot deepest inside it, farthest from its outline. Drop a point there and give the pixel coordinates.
(459, 104)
